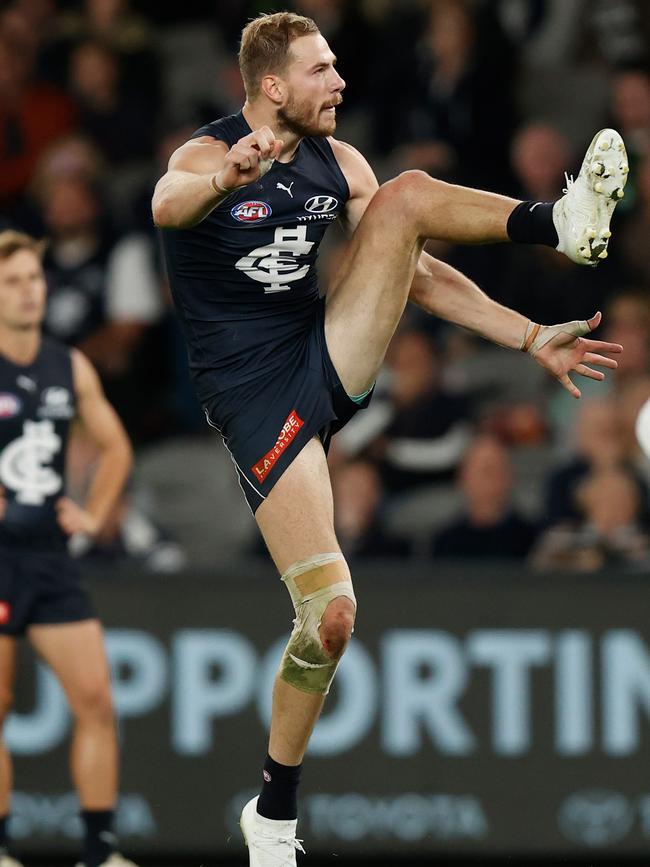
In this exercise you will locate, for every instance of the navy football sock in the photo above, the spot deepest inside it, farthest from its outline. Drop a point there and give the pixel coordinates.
(279, 796)
(532, 223)
(100, 841)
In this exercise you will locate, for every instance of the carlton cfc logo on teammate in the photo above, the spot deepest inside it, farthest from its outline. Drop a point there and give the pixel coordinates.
(10, 405)
(289, 430)
(251, 212)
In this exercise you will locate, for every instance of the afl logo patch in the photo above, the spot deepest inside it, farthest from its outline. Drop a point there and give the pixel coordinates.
(251, 212)
(321, 204)
(10, 405)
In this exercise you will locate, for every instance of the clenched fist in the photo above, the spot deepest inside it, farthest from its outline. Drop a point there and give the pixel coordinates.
(248, 159)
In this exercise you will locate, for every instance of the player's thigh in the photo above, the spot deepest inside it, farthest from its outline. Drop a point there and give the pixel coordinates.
(370, 290)
(296, 518)
(77, 655)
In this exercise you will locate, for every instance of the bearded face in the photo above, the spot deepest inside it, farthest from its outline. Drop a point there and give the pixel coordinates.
(312, 88)
(303, 117)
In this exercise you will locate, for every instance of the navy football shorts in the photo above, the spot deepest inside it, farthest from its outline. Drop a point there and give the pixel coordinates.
(38, 588)
(266, 422)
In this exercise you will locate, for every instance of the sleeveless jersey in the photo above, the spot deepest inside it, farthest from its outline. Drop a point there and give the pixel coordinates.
(37, 404)
(244, 280)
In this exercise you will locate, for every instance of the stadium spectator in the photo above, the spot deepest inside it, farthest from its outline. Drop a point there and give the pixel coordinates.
(418, 431)
(609, 531)
(33, 113)
(634, 249)
(358, 499)
(599, 445)
(630, 109)
(129, 35)
(462, 83)
(628, 323)
(118, 119)
(489, 526)
(103, 295)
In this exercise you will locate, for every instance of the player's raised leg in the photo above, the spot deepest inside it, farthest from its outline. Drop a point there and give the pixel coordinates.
(296, 521)
(7, 676)
(76, 654)
(366, 301)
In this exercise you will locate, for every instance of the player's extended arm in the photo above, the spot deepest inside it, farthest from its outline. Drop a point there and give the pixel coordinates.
(115, 457)
(203, 171)
(441, 290)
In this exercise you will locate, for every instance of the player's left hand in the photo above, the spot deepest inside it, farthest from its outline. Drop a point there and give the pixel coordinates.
(73, 519)
(563, 348)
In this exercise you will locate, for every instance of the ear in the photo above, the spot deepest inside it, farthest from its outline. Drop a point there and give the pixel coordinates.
(273, 87)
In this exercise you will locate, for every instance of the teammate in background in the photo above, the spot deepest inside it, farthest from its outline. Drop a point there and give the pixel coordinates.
(247, 201)
(44, 388)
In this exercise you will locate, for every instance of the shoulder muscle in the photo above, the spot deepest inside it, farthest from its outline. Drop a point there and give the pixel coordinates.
(200, 156)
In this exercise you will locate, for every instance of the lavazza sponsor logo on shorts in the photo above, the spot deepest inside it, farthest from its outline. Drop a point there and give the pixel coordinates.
(320, 208)
(289, 430)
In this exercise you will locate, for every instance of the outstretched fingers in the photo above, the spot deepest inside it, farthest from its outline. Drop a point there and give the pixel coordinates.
(600, 360)
(601, 346)
(583, 370)
(564, 380)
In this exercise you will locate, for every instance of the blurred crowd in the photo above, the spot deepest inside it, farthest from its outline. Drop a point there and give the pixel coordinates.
(467, 451)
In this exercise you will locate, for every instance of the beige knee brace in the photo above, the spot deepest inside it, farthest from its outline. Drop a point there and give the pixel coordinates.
(313, 583)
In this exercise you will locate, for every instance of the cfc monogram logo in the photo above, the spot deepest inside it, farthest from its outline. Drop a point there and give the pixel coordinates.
(276, 264)
(23, 463)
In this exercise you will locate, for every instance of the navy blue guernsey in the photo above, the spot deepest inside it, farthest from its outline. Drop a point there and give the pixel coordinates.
(244, 280)
(37, 404)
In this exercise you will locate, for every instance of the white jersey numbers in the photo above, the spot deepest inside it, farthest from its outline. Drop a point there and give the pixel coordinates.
(277, 264)
(23, 463)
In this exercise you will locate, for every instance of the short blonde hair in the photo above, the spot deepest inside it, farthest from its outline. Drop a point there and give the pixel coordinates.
(265, 43)
(11, 241)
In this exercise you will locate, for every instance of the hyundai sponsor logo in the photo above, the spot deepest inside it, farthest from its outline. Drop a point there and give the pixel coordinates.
(321, 204)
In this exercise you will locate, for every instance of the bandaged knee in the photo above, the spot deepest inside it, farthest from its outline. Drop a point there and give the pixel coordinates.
(313, 583)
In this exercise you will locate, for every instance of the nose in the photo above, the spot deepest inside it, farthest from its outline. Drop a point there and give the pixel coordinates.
(339, 83)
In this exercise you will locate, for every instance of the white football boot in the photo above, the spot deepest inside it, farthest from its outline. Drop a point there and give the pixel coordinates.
(7, 861)
(115, 860)
(270, 843)
(581, 217)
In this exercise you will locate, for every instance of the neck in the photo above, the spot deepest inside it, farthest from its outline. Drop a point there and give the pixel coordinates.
(20, 346)
(258, 115)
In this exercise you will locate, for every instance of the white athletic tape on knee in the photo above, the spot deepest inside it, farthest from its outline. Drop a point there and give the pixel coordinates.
(537, 336)
(306, 665)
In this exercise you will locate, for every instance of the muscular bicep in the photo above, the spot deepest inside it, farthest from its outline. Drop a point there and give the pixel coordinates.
(199, 156)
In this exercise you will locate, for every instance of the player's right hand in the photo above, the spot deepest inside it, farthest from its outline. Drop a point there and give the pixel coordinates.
(3, 503)
(245, 161)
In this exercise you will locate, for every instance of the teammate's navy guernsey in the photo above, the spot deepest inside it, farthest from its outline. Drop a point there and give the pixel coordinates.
(244, 279)
(37, 404)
